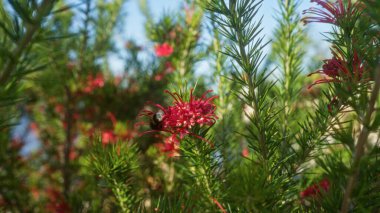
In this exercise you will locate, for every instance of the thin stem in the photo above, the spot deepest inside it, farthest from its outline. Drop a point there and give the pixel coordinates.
(202, 177)
(286, 65)
(251, 84)
(68, 145)
(84, 46)
(359, 149)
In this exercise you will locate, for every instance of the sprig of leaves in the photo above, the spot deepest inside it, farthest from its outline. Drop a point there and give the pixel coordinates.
(235, 21)
(116, 166)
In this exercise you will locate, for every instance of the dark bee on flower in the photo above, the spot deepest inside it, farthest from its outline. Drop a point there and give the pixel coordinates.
(156, 121)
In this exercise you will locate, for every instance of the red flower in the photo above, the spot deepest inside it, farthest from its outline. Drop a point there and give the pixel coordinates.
(98, 81)
(35, 193)
(331, 13)
(159, 76)
(170, 146)
(108, 137)
(315, 189)
(245, 152)
(331, 67)
(59, 108)
(73, 154)
(179, 118)
(33, 126)
(93, 83)
(163, 50)
(339, 70)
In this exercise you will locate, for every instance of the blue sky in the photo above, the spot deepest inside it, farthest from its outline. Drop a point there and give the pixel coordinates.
(134, 25)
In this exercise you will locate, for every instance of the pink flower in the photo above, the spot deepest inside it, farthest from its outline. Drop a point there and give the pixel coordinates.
(315, 189)
(331, 13)
(339, 70)
(159, 76)
(163, 50)
(182, 116)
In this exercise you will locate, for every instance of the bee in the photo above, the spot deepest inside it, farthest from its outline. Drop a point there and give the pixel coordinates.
(156, 120)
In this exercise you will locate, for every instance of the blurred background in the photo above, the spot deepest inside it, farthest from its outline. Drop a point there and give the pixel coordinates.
(131, 28)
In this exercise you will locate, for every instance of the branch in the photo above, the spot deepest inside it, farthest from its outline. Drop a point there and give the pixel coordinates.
(68, 145)
(359, 150)
(31, 30)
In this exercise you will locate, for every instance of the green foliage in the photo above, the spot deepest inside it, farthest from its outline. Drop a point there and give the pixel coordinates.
(235, 22)
(225, 129)
(116, 166)
(201, 167)
(17, 34)
(288, 51)
(21, 23)
(15, 194)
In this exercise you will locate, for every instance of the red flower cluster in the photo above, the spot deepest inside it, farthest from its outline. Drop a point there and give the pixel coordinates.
(108, 137)
(315, 189)
(93, 83)
(56, 202)
(163, 50)
(339, 70)
(179, 118)
(331, 12)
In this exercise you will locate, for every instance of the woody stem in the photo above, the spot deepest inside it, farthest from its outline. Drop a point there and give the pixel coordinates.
(362, 140)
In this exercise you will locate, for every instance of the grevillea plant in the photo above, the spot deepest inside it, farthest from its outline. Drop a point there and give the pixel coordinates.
(210, 115)
(182, 116)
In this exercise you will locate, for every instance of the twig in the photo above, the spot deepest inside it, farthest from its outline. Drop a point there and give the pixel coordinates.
(68, 145)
